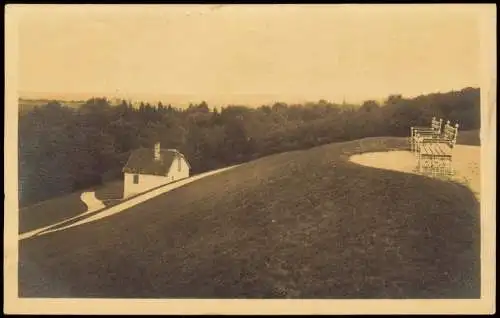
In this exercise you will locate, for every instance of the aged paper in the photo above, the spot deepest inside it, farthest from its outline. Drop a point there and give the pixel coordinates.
(104, 62)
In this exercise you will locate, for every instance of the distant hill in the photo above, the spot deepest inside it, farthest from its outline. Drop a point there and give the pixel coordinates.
(300, 224)
(182, 101)
(28, 104)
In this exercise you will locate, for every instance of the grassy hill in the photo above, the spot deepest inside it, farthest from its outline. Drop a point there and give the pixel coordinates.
(469, 137)
(55, 210)
(302, 224)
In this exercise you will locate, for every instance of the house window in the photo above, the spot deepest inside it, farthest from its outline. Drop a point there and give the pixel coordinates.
(136, 178)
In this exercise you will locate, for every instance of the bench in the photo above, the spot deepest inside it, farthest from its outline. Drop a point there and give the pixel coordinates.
(435, 154)
(419, 133)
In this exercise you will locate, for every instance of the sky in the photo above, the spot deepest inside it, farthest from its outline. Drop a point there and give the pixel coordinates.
(247, 54)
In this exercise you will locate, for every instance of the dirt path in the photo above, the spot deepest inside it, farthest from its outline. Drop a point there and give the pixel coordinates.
(93, 204)
(91, 201)
(466, 162)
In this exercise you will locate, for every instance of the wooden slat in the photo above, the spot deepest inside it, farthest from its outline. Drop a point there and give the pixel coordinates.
(435, 150)
(445, 148)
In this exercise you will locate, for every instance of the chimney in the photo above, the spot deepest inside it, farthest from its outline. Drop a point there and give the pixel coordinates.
(157, 151)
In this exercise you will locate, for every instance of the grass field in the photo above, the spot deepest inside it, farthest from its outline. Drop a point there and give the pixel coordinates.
(59, 209)
(302, 224)
(50, 211)
(469, 137)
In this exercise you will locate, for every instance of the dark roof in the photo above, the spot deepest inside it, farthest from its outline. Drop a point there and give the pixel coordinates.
(142, 161)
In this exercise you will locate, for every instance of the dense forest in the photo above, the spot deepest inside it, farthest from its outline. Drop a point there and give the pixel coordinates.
(64, 149)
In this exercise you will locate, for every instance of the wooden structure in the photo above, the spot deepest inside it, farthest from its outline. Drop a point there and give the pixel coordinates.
(418, 133)
(434, 154)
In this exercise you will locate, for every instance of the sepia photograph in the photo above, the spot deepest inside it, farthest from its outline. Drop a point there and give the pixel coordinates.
(250, 158)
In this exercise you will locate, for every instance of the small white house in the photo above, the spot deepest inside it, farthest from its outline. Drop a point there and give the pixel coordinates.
(149, 168)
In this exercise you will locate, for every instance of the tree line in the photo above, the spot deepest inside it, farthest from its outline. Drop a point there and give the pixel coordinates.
(64, 149)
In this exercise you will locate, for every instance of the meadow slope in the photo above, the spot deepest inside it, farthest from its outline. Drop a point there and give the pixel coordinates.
(59, 209)
(301, 224)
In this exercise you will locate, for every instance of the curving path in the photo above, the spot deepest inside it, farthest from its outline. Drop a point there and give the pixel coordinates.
(466, 162)
(93, 204)
(98, 211)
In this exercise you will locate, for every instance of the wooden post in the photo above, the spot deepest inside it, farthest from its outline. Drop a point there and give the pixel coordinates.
(411, 139)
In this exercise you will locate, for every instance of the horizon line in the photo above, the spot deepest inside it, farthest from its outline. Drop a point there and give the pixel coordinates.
(163, 98)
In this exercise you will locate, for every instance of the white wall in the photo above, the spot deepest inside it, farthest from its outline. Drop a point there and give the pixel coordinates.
(146, 182)
(174, 173)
